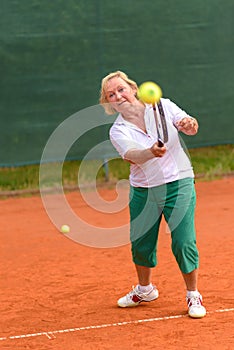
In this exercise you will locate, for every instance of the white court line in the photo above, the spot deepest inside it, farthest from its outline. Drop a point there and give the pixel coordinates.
(51, 334)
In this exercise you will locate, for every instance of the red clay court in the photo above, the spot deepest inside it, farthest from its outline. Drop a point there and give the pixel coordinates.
(57, 294)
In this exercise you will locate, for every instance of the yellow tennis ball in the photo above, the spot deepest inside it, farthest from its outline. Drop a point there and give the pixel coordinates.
(65, 229)
(149, 92)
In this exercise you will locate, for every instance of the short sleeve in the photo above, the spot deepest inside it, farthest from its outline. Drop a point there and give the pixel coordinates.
(173, 111)
(122, 140)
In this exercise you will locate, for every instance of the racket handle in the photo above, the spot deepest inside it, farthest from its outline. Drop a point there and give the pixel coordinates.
(160, 143)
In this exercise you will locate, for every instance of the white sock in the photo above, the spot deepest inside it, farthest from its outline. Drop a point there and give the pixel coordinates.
(145, 289)
(192, 293)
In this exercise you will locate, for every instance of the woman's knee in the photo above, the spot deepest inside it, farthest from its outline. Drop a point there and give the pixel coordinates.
(186, 254)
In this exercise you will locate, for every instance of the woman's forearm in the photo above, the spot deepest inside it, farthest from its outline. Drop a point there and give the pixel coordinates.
(141, 156)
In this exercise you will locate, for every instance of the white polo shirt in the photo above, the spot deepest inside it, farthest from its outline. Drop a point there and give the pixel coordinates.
(175, 163)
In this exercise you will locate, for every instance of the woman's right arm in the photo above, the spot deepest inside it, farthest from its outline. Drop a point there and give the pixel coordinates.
(130, 150)
(140, 156)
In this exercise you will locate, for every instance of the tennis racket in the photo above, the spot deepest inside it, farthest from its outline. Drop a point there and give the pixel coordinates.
(161, 140)
(150, 92)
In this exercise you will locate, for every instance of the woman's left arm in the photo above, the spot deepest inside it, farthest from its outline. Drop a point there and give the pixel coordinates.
(188, 125)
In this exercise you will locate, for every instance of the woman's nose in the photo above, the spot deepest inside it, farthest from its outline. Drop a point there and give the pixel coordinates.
(118, 96)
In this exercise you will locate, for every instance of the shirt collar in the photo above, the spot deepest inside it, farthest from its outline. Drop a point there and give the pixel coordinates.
(121, 121)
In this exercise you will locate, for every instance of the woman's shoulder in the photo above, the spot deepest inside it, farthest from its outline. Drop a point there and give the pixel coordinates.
(165, 101)
(118, 125)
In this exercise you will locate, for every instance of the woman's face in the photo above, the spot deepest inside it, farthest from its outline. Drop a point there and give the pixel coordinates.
(120, 94)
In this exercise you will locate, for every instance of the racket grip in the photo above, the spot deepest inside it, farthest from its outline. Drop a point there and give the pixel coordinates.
(160, 143)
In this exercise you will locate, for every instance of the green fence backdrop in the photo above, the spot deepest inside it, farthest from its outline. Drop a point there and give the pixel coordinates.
(54, 54)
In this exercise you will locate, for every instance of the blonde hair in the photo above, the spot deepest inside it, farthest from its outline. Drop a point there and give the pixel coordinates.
(103, 99)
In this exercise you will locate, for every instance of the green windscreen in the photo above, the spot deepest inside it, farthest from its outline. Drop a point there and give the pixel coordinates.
(54, 54)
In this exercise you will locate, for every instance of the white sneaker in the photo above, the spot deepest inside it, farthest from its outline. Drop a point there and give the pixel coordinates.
(195, 307)
(135, 297)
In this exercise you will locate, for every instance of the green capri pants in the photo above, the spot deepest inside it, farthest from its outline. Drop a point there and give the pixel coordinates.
(176, 201)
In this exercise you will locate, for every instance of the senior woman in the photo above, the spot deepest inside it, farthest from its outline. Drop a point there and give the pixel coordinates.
(161, 184)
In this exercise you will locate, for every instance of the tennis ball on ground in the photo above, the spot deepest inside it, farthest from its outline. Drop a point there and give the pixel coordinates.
(65, 229)
(149, 92)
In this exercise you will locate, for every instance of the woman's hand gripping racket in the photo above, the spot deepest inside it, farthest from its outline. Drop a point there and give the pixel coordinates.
(149, 92)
